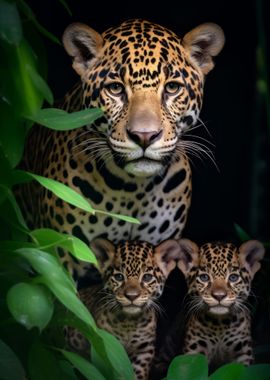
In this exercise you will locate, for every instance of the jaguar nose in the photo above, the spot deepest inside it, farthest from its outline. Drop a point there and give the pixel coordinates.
(132, 293)
(144, 139)
(219, 294)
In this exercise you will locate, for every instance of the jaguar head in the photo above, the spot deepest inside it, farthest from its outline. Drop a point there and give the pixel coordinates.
(148, 82)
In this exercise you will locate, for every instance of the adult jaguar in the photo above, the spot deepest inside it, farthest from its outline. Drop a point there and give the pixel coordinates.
(133, 160)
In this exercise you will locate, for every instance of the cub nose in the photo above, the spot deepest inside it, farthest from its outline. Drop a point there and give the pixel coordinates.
(144, 139)
(219, 294)
(132, 293)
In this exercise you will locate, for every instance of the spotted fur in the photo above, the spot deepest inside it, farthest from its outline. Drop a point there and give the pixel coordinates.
(133, 160)
(134, 274)
(217, 318)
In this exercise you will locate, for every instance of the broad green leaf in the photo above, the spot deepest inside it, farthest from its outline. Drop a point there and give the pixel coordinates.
(48, 266)
(256, 372)
(43, 364)
(60, 120)
(17, 86)
(83, 366)
(188, 367)
(117, 356)
(31, 16)
(68, 370)
(10, 366)
(31, 305)
(11, 246)
(230, 371)
(47, 238)
(10, 23)
(242, 234)
(40, 84)
(58, 281)
(59, 189)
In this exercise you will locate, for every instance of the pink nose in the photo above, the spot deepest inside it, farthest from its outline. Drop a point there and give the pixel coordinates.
(219, 294)
(144, 139)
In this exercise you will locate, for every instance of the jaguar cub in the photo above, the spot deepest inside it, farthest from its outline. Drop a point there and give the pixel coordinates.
(219, 281)
(134, 275)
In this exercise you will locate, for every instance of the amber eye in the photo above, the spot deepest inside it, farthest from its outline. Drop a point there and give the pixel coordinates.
(119, 277)
(115, 88)
(204, 277)
(234, 277)
(172, 88)
(147, 277)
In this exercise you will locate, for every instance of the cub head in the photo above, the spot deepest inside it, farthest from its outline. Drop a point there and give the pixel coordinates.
(219, 275)
(149, 83)
(134, 272)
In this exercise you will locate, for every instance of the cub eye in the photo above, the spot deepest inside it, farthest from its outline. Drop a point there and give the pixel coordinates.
(172, 88)
(115, 88)
(204, 277)
(147, 277)
(119, 277)
(233, 277)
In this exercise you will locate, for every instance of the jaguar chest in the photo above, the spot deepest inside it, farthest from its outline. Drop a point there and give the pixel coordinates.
(160, 203)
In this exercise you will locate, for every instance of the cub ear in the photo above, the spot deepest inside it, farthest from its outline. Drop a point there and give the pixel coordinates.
(167, 255)
(104, 251)
(189, 255)
(203, 43)
(250, 253)
(83, 44)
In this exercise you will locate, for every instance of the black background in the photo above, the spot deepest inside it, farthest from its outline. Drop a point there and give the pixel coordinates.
(220, 198)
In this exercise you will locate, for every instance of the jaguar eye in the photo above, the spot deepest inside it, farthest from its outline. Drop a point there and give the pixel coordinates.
(119, 277)
(233, 277)
(147, 277)
(115, 88)
(172, 88)
(204, 277)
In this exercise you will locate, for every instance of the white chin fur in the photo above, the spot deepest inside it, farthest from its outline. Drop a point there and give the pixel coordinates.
(132, 310)
(144, 168)
(219, 310)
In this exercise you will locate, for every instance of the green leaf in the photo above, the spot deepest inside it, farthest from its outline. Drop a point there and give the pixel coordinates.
(127, 218)
(65, 5)
(256, 371)
(10, 23)
(59, 189)
(117, 356)
(31, 305)
(188, 367)
(40, 84)
(47, 238)
(10, 366)
(242, 234)
(230, 371)
(58, 281)
(43, 364)
(60, 120)
(83, 366)
(31, 16)
(10, 211)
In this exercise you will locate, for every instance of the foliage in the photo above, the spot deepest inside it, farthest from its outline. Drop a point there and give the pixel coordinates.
(195, 367)
(38, 292)
(38, 296)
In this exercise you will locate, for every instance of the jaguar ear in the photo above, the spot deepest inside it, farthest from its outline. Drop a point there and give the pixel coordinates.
(83, 44)
(167, 255)
(189, 255)
(203, 43)
(250, 253)
(104, 251)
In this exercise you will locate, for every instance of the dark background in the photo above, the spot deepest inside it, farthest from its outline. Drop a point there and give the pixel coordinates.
(238, 192)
